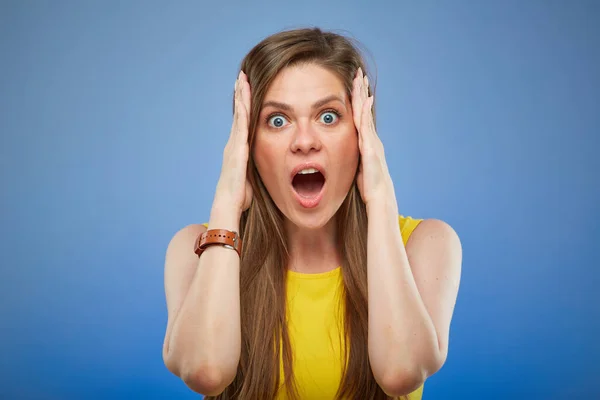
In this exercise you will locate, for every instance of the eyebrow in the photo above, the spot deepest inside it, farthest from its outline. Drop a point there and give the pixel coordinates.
(317, 104)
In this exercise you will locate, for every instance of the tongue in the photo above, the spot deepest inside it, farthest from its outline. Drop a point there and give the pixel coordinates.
(308, 185)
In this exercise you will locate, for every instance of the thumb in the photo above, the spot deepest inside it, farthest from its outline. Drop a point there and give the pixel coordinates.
(248, 195)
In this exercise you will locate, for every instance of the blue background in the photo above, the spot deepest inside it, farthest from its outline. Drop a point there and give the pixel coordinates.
(114, 116)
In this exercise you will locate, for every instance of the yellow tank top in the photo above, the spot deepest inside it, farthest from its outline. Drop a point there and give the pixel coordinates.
(314, 321)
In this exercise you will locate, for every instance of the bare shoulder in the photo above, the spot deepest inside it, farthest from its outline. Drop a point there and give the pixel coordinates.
(434, 244)
(434, 230)
(179, 270)
(183, 240)
(180, 265)
(435, 257)
(181, 261)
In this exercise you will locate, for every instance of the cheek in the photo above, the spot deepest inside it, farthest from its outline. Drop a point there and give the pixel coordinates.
(265, 160)
(349, 150)
(345, 157)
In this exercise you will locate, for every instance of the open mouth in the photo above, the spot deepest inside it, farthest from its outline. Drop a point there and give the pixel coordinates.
(308, 182)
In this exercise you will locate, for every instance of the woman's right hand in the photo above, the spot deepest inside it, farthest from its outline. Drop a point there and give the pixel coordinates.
(233, 189)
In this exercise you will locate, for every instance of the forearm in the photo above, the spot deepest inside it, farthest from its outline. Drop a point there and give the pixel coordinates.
(206, 335)
(402, 337)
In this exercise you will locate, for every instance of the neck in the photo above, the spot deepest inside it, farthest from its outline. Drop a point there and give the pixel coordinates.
(313, 250)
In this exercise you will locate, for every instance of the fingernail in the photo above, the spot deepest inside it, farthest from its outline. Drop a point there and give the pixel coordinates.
(360, 73)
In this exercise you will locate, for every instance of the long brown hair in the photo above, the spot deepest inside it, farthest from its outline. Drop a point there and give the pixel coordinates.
(265, 338)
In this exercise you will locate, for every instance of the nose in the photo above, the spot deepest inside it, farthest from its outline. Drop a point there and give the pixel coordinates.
(305, 138)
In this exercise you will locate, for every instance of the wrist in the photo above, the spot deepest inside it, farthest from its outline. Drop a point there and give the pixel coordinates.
(224, 216)
(382, 205)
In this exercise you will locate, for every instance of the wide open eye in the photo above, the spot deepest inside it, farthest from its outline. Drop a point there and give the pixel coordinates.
(329, 117)
(276, 121)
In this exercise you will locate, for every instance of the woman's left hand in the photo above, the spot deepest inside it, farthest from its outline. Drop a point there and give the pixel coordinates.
(373, 180)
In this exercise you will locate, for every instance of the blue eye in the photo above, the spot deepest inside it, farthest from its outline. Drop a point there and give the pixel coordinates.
(276, 120)
(329, 117)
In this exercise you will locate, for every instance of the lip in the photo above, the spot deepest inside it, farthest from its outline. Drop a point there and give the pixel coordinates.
(310, 202)
(305, 165)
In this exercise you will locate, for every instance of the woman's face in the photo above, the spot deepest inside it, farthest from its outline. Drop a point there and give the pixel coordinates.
(306, 146)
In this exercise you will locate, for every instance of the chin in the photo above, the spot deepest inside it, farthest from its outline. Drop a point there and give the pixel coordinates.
(313, 219)
(311, 222)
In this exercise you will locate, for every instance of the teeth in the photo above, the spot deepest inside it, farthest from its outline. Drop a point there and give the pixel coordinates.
(308, 171)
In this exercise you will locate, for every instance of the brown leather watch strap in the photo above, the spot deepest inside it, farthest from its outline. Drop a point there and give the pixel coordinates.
(221, 237)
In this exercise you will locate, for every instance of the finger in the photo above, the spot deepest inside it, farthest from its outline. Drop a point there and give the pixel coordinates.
(360, 179)
(237, 109)
(367, 126)
(360, 143)
(365, 118)
(246, 94)
(357, 98)
(371, 118)
(242, 118)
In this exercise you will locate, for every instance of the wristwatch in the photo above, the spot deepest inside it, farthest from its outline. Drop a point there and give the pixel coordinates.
(223, 237)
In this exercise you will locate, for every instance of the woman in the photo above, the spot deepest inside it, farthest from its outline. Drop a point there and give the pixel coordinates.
(321, 295)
